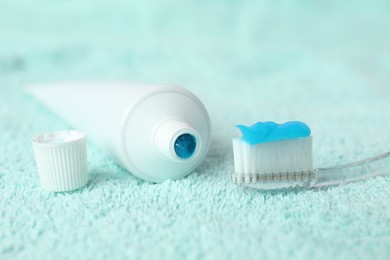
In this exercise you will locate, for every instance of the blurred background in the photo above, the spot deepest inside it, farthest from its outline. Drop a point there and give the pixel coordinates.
(193, 40)
(188, 41)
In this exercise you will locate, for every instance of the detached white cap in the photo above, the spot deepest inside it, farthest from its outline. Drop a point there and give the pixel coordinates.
(61, 159)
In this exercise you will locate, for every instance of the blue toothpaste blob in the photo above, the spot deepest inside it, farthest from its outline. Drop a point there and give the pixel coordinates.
(263, 132)
(185, 146)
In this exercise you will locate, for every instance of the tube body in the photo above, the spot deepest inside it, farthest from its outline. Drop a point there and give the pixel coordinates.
(141, 126)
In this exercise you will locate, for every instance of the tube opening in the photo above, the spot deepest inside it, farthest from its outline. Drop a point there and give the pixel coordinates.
(175, 140)
(185, 146)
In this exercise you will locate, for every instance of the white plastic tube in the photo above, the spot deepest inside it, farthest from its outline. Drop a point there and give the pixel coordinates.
(156, 132)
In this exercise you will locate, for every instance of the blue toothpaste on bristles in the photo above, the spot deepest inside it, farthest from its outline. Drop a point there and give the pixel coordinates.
(263, 132)
(272, 152)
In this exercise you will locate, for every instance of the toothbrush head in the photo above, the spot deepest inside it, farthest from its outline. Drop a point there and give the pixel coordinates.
(281, 157)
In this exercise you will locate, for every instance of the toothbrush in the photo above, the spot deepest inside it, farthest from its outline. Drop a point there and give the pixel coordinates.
(278, 156)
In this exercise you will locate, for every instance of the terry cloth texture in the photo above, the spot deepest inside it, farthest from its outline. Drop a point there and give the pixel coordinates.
(326, 63)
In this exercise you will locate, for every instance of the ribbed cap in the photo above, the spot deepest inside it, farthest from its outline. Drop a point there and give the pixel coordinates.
(61, 159)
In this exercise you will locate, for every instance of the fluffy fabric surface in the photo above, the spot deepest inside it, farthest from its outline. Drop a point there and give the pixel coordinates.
(324, 62)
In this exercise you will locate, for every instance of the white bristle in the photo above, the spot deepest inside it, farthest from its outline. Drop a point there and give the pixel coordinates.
(273, 157)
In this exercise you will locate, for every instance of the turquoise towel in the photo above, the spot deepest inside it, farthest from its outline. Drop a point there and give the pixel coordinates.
(324, 62)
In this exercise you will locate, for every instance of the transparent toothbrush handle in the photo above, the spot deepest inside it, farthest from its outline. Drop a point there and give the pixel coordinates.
(351, 172)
